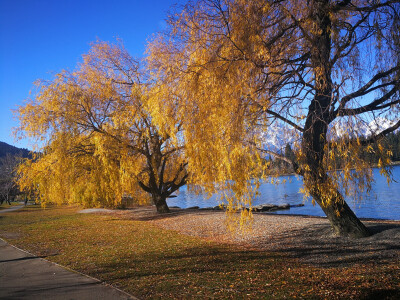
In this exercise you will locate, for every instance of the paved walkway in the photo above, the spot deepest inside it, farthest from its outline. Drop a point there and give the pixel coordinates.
(24, 276)
(11, 208)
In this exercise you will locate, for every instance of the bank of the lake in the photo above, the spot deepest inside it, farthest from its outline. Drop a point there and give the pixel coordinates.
(383, 202)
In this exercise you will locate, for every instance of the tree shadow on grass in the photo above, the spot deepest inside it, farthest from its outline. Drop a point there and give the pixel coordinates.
(239, 272)
(193, 270)
(374, 294)
(318, 246)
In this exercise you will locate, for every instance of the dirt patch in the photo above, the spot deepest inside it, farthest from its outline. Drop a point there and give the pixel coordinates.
(95, 210)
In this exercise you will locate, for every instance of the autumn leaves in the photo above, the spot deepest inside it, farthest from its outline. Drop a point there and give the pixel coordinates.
(101, 141)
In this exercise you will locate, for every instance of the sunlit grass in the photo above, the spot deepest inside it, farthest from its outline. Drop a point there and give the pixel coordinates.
(150, 262)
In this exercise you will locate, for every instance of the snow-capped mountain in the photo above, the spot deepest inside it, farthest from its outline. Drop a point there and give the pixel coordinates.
(380, 124)
(360, 128)
(277, 135)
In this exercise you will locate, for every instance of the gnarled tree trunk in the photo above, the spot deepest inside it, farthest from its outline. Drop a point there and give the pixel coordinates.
(161, 204)
(343, 220)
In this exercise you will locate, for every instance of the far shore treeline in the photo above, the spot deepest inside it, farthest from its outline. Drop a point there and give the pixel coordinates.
(391, 142)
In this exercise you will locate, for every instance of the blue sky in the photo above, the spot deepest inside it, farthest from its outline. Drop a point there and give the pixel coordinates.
(39, 38)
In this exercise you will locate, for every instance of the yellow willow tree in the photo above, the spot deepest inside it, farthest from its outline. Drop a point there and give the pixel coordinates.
(69, 171)
(100, 140)
(237, 68)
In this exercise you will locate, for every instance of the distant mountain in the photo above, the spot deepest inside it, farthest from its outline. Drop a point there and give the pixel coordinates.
(361, 128)
(15, 151)
(277, 135)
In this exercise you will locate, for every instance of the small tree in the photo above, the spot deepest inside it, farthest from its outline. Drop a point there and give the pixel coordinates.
(8, 187)
(101, 143)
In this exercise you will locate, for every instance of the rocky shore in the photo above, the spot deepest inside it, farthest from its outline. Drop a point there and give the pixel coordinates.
(259, 208)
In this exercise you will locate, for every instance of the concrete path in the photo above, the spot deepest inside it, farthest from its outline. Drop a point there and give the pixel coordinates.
(24, 276)
(11, 209)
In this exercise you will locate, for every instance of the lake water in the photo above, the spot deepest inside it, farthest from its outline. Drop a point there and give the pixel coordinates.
(382, 203)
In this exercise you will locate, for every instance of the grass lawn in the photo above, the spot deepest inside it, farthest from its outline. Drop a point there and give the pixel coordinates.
(150, 262)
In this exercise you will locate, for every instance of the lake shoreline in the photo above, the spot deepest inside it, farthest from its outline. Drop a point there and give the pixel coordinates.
(378, 204)
(149, 212)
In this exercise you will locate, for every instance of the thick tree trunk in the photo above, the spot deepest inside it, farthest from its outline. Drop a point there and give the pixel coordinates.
(161, 204)
(342, 219)
(344, 222)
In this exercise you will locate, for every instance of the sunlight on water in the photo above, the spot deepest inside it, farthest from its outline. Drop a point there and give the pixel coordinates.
(382, 203)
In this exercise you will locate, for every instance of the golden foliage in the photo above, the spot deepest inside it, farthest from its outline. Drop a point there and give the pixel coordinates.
(231, 69)
(100, 140)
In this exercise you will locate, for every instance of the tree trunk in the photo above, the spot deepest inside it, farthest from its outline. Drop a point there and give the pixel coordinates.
(161, 204)
(344, 222)
(342, 219)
